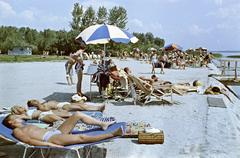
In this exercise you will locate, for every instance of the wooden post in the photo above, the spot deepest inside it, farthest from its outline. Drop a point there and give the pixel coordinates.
(91, 86)
(224, 67)
(235, 69)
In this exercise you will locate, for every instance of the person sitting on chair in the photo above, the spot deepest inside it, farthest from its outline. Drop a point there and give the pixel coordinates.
(154, 80)
(54, 105)
(33, 135)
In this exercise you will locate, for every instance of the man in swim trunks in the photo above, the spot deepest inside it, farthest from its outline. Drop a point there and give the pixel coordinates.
(60, 137)
(54, 105)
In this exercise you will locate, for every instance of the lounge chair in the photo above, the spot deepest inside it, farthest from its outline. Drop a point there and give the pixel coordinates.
(6, 133)
(143, 92)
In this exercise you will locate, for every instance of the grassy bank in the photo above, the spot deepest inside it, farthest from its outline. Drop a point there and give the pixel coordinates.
(234, 56)
(217, 55)
(30, 58)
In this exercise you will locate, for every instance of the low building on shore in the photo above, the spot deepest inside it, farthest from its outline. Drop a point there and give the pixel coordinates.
(20, 51)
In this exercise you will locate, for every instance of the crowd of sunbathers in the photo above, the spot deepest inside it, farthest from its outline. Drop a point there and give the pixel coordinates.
(50, 112)
(111, 79)
(174, 59)
(107, 74)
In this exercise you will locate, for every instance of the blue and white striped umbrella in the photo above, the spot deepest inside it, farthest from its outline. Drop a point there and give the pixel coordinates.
(102, 34)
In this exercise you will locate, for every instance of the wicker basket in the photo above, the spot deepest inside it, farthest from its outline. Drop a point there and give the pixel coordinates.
(150, 138)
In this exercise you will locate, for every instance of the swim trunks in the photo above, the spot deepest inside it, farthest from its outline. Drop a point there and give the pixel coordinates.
(50, 133)
(30, 112)
(61, 104)
(43, 114)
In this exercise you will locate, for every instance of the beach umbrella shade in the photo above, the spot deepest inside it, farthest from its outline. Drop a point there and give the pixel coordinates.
(172, 46)
(103, 33)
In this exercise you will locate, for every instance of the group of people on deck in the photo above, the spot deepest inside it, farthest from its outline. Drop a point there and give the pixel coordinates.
(178, 59)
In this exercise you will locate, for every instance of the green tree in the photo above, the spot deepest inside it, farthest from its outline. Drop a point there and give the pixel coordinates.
(47, 40)
(159, 42)
(89, 17)
(77, 15)
(118, 16)
(149, 37)
(102, 15)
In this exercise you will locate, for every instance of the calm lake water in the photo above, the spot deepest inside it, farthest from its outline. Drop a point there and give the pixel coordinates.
(227, 53)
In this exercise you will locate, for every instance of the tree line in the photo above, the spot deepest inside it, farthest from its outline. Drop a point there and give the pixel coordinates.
(64, 41)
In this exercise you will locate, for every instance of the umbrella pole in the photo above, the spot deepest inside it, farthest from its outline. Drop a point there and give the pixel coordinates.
(104, 47)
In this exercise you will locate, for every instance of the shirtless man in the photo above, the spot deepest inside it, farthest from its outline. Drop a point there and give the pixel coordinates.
(162, 61)
(54, 105)
(60, 137)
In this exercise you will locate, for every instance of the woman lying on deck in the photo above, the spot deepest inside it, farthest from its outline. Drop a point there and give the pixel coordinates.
(34, 114)
(154, 79)
(54, 105)
(60, 137)
(178, 88)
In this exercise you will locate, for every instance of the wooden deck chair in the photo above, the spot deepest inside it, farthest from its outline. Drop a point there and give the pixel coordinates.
(143, 91)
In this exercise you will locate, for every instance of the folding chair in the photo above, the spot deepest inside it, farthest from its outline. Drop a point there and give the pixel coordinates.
(143, 91)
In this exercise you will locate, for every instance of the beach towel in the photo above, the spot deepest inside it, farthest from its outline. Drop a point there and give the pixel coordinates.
(132, 128)
(80, 126)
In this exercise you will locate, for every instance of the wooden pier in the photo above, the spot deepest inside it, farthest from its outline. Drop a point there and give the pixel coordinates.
(225, 65)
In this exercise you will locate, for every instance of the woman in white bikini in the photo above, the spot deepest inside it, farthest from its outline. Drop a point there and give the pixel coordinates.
(54, 105)
(34, 114)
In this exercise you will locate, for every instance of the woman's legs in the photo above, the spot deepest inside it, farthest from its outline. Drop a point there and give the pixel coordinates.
(153, 68)
(79, 82)
(162, 67)
(68, 67)
(70, 123)
(83, 106)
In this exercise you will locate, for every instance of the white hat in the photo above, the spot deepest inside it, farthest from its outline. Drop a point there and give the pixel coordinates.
(77, 98)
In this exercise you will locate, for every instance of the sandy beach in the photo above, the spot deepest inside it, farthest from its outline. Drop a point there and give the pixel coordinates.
(191, 128)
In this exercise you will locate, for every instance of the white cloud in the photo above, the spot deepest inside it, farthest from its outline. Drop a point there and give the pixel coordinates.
(231, 11)
(156, 26)
(6, 10)
(218, 2)
(27, 14)
(136, 23)
(173, 1)
(53, 19)
(197, 30)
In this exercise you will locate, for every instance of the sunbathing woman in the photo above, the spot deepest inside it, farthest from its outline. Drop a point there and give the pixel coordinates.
(60, 137)
(34, 114)
(54, 105)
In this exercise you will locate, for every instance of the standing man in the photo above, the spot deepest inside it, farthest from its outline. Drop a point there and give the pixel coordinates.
(79, 69)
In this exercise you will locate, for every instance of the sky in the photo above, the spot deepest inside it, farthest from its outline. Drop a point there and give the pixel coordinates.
(214, 24)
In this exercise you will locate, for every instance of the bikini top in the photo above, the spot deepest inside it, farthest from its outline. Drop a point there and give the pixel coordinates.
(30, 112)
